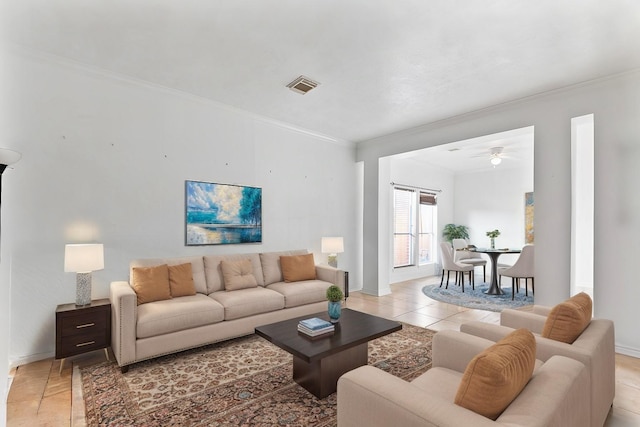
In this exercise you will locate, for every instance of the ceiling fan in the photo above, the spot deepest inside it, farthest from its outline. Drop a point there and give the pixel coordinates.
(496, 155)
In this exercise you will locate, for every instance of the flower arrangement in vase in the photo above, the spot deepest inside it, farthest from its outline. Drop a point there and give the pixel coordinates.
(493, 234)
(335, 297)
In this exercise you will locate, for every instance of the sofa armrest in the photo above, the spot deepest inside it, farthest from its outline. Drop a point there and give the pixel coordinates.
(454, 350)
(557, 395)
(370, 397)
(124, 307)
(487, 331)
(517, 319)
(331, 275)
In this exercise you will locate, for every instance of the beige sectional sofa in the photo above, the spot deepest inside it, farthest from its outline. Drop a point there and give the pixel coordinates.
(149, 330)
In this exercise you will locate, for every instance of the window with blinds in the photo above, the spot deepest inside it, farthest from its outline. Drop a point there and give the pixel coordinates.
(426, 240)
(413, 226)
(403, 226)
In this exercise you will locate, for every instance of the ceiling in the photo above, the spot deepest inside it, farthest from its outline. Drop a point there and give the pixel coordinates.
(383, 66)
(474, 155)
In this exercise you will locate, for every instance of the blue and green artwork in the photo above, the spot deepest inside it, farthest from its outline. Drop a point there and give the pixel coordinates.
(219, 214)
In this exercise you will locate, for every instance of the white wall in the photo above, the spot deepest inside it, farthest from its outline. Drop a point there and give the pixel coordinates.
(486, 201)
(616, 106)
(105, 159)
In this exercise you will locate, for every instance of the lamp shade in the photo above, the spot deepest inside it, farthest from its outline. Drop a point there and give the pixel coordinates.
(83, 258)
(332, 245)
(8, 157)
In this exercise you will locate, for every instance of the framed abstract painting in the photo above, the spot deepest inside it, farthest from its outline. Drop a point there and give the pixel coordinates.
(528, 217)
(222, 214)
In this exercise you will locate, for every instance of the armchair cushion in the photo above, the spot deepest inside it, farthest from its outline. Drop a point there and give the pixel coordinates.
(567, 320)
(151, 283)
(298, 267)
(495, 377)
(238, 275)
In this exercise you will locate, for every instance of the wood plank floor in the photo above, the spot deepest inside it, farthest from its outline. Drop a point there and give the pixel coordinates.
(41, 396)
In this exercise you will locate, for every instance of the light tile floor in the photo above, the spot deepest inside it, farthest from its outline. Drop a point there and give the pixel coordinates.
(40, 396)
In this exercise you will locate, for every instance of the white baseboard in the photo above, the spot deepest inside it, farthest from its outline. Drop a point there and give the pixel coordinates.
(14, 363)
(633, 352)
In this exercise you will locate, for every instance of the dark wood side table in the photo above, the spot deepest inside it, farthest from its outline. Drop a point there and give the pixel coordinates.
(81, 329)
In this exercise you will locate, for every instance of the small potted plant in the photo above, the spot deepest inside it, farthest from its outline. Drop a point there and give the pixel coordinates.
(493, 234)
(335, 297)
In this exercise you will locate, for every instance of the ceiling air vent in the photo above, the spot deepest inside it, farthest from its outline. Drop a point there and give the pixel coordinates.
(302, 85)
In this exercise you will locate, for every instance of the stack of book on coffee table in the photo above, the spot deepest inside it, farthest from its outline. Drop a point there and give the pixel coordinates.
(315, 327)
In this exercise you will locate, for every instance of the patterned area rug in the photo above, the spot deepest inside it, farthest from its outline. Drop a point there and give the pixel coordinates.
(477, 298)
(242, 382)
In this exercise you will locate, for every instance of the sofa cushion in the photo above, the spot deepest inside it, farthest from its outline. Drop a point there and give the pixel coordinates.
(495, 377)
(271, 265)
(298, 267)
(177, 314)
(197, 268)
(301, 293)
(181, 280)
(567, 320)
(213, 269)
(247, 302)
(151, 283)
(439, 382)
(238, 274)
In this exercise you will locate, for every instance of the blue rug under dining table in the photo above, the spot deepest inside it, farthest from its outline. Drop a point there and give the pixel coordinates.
(477, 298)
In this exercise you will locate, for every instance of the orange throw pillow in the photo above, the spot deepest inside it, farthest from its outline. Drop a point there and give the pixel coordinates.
(181, 280)
(495, 377)
(151, 283)
(298, 267)
(567, 320)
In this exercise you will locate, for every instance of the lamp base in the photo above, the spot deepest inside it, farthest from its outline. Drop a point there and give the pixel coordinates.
(333, 260)
(83, 288)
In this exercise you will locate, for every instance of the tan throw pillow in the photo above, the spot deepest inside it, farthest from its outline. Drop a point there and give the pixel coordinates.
(238, 275)
(151, 283)
(567, 320)
(298, 267)
(495, 377)
(181, 280)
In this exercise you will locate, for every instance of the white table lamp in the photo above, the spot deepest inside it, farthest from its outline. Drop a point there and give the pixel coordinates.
(332, 246)
(83, 259)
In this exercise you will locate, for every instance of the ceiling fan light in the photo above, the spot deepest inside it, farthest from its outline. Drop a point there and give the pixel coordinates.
(495, 160)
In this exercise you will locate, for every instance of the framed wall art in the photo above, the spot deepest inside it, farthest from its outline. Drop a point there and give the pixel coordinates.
(528, 217)
(221, 214)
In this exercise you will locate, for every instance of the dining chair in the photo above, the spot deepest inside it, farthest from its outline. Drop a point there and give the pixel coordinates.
(465, 256)
(522, 269)
(449, 265)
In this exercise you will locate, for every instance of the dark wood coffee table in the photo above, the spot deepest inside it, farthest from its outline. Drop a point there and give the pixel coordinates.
(318, 363)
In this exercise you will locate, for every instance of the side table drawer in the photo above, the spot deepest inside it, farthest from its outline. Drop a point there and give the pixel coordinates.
(83, 324)
(78, 344)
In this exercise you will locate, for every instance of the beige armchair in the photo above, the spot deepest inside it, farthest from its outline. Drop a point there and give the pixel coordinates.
(595, 348)
(556, 395)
